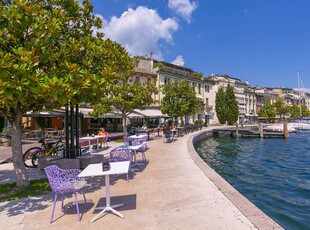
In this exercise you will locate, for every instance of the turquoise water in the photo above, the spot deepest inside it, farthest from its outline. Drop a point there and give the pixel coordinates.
(273, 173)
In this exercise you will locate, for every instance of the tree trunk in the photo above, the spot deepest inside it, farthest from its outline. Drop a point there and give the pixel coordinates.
(17, 153)
(124, 128)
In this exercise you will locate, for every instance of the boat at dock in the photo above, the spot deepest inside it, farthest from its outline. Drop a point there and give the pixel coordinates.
(292, 127)
(300, 126)
(279, 128)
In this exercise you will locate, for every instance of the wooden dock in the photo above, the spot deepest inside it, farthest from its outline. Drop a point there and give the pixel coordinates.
(247, 132)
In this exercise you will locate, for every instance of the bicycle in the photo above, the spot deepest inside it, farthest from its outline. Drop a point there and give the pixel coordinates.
(50, 148)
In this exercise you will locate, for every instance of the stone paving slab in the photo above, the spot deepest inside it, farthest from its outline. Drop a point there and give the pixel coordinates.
(170, 192)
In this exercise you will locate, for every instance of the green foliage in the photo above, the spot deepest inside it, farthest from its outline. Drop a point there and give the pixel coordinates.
(220, 105)
(169, 123)
(10, 191)
(294, 111)
(278, 108)
(123, 97)
(209, 80)
(197, 75)
(158, 65)
(49, 57)
(305, 111)
(179, 100)
(199, 122)
(232, 105)
(226, 105)
(267, 110)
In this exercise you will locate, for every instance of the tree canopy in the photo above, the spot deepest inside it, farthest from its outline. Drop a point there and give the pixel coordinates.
(220, 105)
(226, 105)
(125, 96)
(279, 108)
(232, 105)
(179, 100)
(51, 56)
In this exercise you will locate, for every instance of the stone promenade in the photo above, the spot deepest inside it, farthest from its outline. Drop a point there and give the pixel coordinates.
(173, 191)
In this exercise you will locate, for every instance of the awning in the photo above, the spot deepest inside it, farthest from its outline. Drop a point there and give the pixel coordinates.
(135, 115)
(86, 113)
(155, 113)
(44, 114)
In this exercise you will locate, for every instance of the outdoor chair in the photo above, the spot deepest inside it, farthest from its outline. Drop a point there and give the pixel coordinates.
(64, 181)
(167, 136)
(127, 140)
(143, 141)
(152, 134)
(105, 141)
(142, 150)
(122, 154)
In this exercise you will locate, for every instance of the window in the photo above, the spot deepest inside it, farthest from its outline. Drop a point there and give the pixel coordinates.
(167, 80)
(207, 88)
(137, 79)
(199, 88)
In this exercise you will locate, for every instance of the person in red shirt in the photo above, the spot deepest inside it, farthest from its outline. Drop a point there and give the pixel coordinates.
(104, 135)
(173, 129)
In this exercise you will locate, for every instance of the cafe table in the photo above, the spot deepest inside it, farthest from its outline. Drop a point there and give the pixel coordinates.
(96, 170)
(134, 148)
(140, 136)
(90, 138)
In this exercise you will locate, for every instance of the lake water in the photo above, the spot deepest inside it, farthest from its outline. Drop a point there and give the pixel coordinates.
(273, 173)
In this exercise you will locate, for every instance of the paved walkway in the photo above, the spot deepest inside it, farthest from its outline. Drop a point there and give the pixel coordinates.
(171, 192)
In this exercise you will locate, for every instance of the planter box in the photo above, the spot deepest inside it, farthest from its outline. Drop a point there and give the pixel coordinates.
(90, 159)
(63, 163)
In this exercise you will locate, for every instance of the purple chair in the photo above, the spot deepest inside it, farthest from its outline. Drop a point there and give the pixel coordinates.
(63, 181)
(142, 139)
(121, 154)
(142, 150)
(127, 140)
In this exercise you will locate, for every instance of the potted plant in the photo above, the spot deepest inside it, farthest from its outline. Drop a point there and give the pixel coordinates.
(6, 137)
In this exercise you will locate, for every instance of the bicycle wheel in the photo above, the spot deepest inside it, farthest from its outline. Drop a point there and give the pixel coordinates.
(27, 156)
(35, 158)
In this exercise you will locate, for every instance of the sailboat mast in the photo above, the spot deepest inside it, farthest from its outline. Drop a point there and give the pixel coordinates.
(299, 93)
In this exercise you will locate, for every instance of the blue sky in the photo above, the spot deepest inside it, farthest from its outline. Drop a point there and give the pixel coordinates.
(263, 41)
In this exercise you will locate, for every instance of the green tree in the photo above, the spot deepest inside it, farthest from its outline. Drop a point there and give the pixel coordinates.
(125, 96)
(294, 111)
(220, 105)
(49, 58)
(226, 105)
(179, 100)
(280, 108)
(231, 105)
(267, 110)
(305, 111)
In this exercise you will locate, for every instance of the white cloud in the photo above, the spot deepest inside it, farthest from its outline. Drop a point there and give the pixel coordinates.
(179, 61)
(183, 8)
(140, 31)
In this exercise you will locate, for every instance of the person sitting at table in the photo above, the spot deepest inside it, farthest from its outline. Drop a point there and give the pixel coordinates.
(104, 135)
(166, 131)
(144, 127)
(173, 129)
